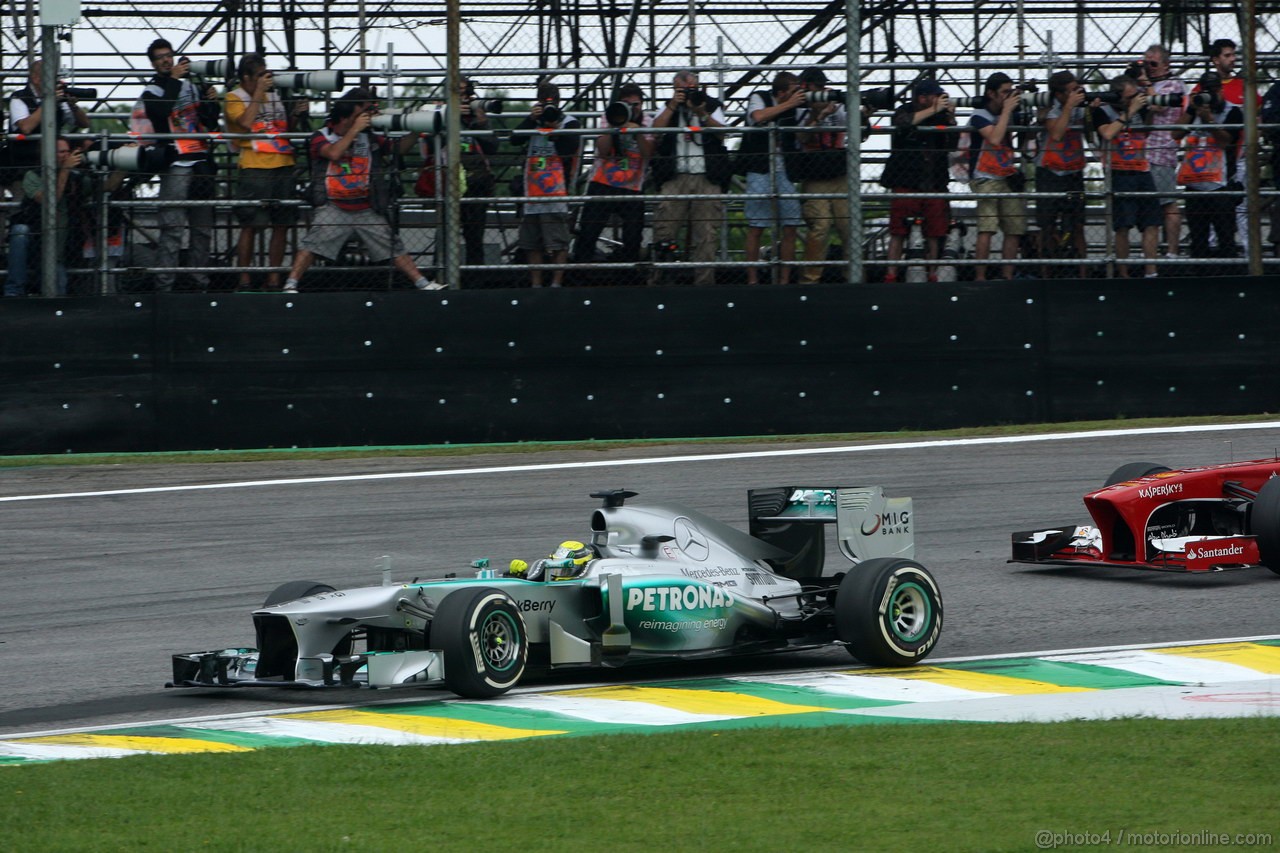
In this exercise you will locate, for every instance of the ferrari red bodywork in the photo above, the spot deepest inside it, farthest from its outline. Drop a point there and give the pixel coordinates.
(1212, 518)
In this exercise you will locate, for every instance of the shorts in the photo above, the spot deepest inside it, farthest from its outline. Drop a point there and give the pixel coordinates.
(332, 227)
(762, 212)
(1141, 213)
(935, 213)
(266, 185)
(1006, 215)
(1166, 181)
(1066, 204)
(544, 232)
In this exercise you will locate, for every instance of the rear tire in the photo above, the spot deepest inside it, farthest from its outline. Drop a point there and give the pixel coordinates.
(1134, 470)
(889, 612)
(482, 637)
(1265, 523)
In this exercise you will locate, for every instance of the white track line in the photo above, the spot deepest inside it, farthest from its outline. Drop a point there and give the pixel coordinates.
(662, 460)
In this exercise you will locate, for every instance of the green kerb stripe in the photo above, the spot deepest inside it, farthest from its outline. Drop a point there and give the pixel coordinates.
(1063, 673)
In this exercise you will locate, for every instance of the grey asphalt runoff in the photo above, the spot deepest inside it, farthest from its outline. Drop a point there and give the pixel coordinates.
(97, 592)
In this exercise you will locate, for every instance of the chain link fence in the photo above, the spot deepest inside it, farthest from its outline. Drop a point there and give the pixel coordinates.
(589, 153)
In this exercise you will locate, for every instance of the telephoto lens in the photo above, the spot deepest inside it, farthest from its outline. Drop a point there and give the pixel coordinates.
(970, 101)
(616, 114)
(430, 120)
(1200, 99)
(217, 69)
(132, 158)
(80, 94)
(825, 96)
(878, 99)
(551, 114)
(318, 81)
(694, 96)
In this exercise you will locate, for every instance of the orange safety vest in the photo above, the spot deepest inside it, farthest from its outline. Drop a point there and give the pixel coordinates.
(1129, 152)
(1204, 163)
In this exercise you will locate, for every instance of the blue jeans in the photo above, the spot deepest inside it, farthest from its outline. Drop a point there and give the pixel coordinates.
(15, 284)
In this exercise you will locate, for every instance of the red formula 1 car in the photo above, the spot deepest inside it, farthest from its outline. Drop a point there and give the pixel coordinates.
(1215, 518)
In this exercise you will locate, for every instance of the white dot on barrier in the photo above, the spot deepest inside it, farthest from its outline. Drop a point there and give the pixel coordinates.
(284, 351)
(1099, 383)
(515, 301)
(875, 393)
(586, 302)
(66, 405)
(724, 349)
(875, 307)
(439, 349)
(728, 400)
(953, 337)
(803, 395)
(214, 401)
(955, 387)
(57, 365)
(57, 313)
(955, 299)
(210, 349)
(137, 305)
(368, 343)
(368, 305)
(1241, 387)
(1173, 334)
(1031, 302)
(662, 396)
(136, 356)
(368, 395)
(290, 406)
(590, 397)
(587, 348)
(804, 343)
(1240, 294)
(444, 301)
(731, 305)
(440, 401)
(1031, 393)
(662, 307)
(870, 347)
(804, 299)
(658, 352)
(288, 305)
(515, 399)
(511, 343)
(1240, 337)
(1102, 299)
(1099, 333)
(1173, 389)
(1026, 346)
(213, 304)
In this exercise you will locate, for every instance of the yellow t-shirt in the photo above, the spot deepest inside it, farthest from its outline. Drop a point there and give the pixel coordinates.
(267, 153)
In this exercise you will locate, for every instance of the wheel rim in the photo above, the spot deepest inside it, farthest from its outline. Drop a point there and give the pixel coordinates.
(909, 612)
(500, 640)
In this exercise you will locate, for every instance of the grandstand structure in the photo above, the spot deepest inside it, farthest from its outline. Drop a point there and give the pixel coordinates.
(596, 43)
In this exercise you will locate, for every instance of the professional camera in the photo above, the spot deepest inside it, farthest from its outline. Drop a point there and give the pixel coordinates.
(694, 96)
(1169, 100)
(80, 94)
(430, 120)
(1106, 96)
(616, 114)
(1201, 99)
(551, 113)
(878, 99)
(825, 96)
(318, 81)
(970, 101)
(129, 159)
(217, 69)
(493, 105)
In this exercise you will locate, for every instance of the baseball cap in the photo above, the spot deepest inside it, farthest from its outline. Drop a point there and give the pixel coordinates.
(814, 76)
(927, 87)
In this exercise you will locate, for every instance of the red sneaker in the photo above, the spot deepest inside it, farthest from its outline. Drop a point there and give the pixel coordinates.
(891, 277)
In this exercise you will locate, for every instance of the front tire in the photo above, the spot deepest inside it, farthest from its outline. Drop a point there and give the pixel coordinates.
(1265, 523)
(483, 639)
(889, 612)
(1134, 470)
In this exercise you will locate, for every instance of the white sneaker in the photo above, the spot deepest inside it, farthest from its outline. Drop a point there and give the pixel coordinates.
(289, 287)
(432, 285)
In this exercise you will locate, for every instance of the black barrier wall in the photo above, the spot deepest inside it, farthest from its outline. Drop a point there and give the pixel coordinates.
(196, 371)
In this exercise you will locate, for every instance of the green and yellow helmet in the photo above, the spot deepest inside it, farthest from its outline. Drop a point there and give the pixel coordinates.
(574, 550)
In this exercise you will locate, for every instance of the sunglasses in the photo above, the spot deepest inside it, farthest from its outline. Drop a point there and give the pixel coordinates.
(1152, 63)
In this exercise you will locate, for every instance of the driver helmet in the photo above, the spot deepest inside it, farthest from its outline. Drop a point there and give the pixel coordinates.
(570, 549)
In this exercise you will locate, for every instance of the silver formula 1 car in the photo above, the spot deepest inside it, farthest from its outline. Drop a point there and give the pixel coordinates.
(655, 581)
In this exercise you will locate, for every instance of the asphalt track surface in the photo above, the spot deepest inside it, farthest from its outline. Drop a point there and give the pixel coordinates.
(97, 590)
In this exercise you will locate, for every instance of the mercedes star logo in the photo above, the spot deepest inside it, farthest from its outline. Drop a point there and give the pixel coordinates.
(691, 540)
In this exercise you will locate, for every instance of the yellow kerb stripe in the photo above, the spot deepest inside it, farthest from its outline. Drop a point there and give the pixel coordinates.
(175, 745)
(1249, 655)
(696, 701)
(427, 726)
(979, 682)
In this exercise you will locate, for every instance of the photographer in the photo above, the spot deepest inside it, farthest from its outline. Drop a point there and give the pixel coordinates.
(173, 103)
(821, 167)
(1129, 171)
(24, 226)
(994, 171)
(26, 112)
(550, 166)
(349, 190)
(762, 157)
(266, 163)
(475, 154)
(1207, 165)
(1155, 78)
(1060, 162)
(691, 163)
(918, 164)
(621, 156)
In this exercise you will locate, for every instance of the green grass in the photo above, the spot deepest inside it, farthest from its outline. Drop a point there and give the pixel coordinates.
(900, 787)
(446, 450)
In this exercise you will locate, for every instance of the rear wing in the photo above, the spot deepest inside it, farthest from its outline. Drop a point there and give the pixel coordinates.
(794, 518)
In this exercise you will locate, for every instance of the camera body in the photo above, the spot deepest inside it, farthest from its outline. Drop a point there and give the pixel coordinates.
(318, 81)
(551, 113)
(128, 159)
(825, 96)
(1201, 99)
(694, 96)
(878, 99)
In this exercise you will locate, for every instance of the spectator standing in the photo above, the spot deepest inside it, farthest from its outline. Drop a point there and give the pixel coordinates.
(172, 103)
(474, 152)
(550, 163)
(1129, 171)
(995, 171)
(918, 164)
(1060, 171)
(691, 163)
(621, 156)
(1162, 147)
(349, 187)
(266, 163)
(1270, 114)
(822, 167)
(762, 157)
(1207, 166)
